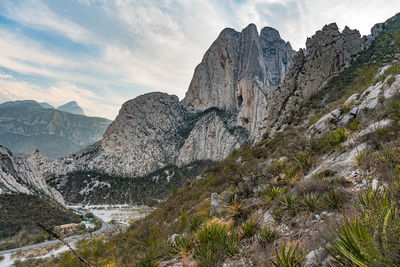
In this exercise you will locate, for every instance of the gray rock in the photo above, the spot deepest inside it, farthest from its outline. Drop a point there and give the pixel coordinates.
(216, 204)
(23, 174)
(318, 257)
(328, 53)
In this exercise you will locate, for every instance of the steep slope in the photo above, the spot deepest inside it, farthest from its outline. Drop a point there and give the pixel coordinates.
(72, 107)
(330, 184)
(327, 53)
(23, 174)
(26, 126)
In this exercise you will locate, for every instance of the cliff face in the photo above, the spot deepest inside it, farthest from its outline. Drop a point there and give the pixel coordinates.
(23, 174)
(238, 72)
(327, 53)
(225, 102)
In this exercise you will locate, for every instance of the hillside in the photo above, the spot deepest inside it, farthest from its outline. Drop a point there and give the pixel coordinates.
(319, 188)
(19, 228)
(26, 126)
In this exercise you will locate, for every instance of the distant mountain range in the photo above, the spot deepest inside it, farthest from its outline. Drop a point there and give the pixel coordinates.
(28, 125)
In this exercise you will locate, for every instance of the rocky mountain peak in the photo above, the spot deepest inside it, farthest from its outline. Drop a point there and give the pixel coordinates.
(327, 53)
(233, 59)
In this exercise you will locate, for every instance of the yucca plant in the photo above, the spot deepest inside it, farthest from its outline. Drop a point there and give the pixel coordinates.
(232, 243)
(353, 245)
(274, 193)
(267, 235)
(333, 199)
(182, 245)
(214, 243)
(249, 228)
(291, 257)
(194, 223)
(236, 211)
(288, 201)
(311, 201)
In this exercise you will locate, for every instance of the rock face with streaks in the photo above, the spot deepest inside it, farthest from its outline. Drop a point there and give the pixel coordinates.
(23, 174)
(327, 53)
(237, 74)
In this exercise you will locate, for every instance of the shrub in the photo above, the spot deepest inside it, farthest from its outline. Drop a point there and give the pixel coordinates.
(311, 201)
(333, 199)
(346, 108)
(267, 235)
(249, 228)
(337, 137)
(355, 125)
(394, 109)
(291, 257)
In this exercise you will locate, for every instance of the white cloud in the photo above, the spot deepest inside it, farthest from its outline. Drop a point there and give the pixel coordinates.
(35, 14)
(4, 76)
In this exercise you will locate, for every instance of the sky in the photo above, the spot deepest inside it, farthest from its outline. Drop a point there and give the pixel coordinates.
(102, 53)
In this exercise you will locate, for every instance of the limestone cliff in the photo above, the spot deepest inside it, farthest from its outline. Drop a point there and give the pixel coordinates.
(327, 53)
(23, 174)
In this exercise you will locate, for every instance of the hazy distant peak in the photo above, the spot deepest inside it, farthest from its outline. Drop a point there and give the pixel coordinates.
(72, 107)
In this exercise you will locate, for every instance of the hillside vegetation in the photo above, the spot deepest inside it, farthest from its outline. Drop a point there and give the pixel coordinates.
(19, 228)
(293, 199)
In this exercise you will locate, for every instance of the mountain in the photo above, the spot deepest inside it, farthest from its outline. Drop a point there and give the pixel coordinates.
(224, 103)
(26, 126)
(317, 186)
(72, 107)
(244, 87)
(45, 105)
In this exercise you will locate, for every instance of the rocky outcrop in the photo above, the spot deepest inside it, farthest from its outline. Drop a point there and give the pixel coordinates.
(23, 174)
(327, 53)
(238, 72)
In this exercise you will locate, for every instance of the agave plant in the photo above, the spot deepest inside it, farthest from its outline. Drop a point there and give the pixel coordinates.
(333, 199)
(267, 235)
(249, 228)
(288, 201)
(291, 257)
(311, 201)
(354, 246)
